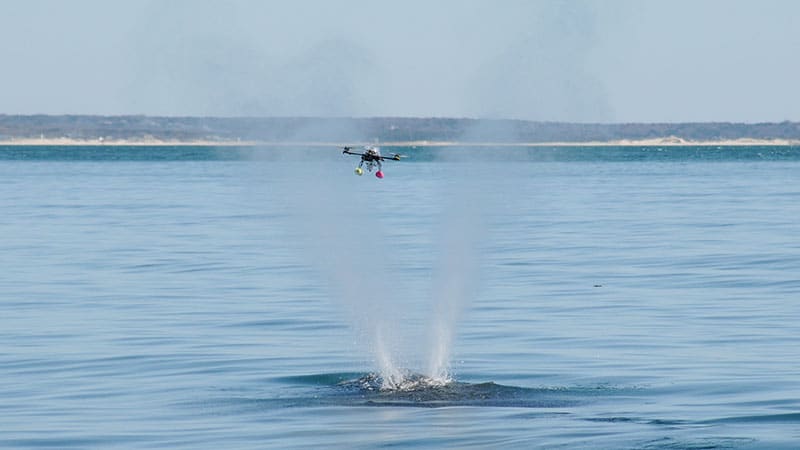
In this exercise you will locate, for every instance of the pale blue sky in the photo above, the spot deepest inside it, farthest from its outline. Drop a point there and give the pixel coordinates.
(604, 61)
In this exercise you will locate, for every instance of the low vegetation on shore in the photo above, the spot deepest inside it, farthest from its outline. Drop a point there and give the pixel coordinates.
(422, 131)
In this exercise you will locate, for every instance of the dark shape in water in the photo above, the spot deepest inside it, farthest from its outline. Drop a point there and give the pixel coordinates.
(420, 391)
(353, 389)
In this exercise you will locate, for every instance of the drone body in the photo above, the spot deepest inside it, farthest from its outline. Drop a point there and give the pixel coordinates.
(371, 159)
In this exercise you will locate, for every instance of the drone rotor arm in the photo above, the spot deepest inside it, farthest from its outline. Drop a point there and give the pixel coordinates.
(347, 151)
(394, 157)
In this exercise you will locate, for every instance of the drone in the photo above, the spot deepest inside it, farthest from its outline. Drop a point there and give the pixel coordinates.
(372, 157)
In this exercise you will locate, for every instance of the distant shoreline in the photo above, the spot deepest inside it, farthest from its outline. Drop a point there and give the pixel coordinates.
(659, 142)
(81, 130)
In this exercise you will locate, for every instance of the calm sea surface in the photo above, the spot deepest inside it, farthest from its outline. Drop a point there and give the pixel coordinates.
(188, 297)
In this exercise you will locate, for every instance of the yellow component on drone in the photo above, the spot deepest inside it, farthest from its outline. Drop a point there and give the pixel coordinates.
(359, 171)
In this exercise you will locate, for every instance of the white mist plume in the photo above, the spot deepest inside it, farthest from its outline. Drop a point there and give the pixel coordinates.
(461, 230)
(336, 222)
(333, 227)
(454, 285)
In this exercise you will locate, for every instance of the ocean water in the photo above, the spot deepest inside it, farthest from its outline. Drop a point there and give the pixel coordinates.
(191, 297)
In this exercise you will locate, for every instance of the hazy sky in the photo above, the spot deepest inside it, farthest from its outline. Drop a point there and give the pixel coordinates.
(589, 61)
